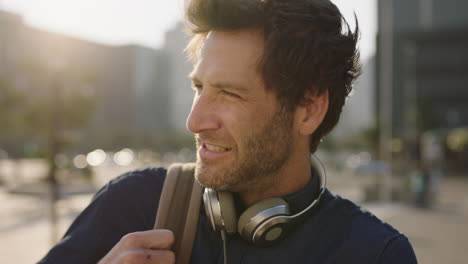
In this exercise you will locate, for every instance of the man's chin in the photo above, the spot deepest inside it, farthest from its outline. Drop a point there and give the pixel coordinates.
(208, 181)
(212, 179)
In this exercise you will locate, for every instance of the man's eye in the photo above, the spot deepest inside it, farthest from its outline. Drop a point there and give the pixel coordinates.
(230, 94)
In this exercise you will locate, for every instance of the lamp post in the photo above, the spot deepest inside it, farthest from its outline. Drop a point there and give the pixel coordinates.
(55, 144)
(386, 14)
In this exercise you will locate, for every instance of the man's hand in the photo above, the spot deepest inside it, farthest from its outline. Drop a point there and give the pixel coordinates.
(151, 246)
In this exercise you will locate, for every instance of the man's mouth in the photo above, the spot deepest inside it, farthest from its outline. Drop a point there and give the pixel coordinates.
(214, 148)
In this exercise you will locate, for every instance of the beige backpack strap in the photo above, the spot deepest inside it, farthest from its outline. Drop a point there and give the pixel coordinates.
(179, 208)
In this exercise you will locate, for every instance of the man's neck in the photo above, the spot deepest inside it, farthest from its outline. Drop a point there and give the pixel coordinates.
(291, 178)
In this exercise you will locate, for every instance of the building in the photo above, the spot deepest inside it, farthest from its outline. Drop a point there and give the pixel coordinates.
(358, 113)
(130, 85)
(422, 69)
(181, 95)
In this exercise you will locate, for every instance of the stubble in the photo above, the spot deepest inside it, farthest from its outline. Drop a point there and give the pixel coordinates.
(266, 152)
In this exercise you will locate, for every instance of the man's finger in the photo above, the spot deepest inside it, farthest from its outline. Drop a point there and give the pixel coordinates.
(151, 239)
(147, 256)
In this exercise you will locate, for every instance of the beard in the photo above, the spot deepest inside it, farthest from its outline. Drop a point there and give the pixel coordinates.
(266, 152)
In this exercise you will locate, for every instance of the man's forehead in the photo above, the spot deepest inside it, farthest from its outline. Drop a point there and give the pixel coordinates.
(229, 54)
(249, 40)
(223, 82)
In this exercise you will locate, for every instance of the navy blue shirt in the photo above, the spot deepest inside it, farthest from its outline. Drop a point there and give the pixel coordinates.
(338, 231)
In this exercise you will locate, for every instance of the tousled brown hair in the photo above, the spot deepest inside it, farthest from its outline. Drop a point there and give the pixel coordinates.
(309, 47)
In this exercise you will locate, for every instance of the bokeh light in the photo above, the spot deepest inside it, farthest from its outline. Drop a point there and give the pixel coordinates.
(79, 161)
(457, 140)
(96, 157)
(124, 157)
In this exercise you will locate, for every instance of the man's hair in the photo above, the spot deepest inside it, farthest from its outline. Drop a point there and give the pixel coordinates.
(309, 47)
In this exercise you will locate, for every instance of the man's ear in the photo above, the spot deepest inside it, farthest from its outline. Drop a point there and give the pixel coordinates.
(311, 112)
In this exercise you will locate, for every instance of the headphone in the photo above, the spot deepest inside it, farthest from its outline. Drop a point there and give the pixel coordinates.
(261, 224)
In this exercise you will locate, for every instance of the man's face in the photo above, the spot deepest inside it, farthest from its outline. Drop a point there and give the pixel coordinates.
(243, 137)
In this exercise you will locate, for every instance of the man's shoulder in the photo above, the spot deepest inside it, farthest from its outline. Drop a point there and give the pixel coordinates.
(358, 218)
(140, 176)
(133, 185)
(358, 230)
(133, 193)
(125, 204)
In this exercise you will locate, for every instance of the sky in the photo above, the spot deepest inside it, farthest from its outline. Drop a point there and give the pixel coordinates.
(144, 22)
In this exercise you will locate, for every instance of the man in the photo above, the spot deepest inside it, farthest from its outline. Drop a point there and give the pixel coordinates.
(270, 79)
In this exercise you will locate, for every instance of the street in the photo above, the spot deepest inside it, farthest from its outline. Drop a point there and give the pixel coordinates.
(438, 235)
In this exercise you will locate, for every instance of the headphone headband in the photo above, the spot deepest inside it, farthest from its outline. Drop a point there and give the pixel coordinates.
(316, 164)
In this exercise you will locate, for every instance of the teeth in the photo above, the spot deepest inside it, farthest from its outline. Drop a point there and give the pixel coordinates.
(215, 148)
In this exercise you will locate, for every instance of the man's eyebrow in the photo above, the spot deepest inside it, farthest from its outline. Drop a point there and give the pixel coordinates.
(230, 85)
(221, 84)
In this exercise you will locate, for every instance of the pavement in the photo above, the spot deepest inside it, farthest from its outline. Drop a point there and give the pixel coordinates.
(438, 234)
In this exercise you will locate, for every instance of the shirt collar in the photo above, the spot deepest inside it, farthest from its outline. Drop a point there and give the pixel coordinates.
(299, 200)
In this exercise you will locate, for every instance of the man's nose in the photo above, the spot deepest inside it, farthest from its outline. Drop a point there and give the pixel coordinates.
(203, 116)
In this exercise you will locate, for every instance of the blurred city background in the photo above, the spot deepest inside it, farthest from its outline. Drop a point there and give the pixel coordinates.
(89, 90)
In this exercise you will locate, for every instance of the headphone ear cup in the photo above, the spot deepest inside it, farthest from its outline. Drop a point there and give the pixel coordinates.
(220, 210)
(258, 214)
(228, 211)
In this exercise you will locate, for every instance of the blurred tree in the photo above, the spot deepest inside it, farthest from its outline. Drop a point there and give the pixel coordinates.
(26, 114)
(10, 105)
(363, 140)
(370, 136)
(12, 114)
